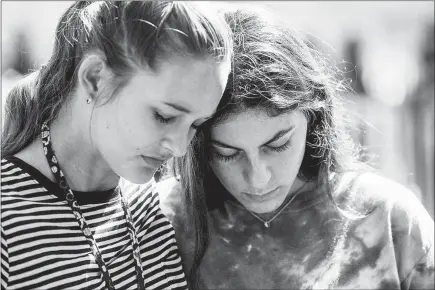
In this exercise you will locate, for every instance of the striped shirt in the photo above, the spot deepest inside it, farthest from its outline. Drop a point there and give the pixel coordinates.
(42, 246)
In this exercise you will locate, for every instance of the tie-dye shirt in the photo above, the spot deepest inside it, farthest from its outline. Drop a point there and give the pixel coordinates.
(309, 245)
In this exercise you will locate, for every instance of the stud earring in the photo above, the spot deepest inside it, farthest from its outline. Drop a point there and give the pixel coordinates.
(88, 100)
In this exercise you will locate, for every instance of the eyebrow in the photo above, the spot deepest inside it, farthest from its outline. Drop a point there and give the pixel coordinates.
(223, 145)
(178, 107)
(278, 135)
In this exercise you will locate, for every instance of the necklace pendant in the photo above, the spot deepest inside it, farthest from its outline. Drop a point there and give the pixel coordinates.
(266, 224)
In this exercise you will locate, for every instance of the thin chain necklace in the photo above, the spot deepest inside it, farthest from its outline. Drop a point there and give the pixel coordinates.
(267, 222)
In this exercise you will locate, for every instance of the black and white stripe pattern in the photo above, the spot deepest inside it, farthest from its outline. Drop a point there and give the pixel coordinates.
(44, 248)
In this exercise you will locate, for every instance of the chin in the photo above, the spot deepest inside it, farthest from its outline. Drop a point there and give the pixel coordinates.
(263, 208)
(139, 176)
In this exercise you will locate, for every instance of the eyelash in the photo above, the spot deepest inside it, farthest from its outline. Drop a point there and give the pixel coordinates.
(162, 119)
(225, 158)
(281, 148)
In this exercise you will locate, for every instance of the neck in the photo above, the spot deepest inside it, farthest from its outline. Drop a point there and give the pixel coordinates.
(79, 159)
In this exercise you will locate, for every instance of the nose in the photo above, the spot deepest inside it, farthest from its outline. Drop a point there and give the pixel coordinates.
(257, 174)
(177, 142)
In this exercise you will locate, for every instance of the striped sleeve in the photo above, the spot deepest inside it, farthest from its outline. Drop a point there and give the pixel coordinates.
(4, 261)
(159, 252)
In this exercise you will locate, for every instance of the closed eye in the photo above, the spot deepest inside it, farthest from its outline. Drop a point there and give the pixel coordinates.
(224, 153)
(163, 119)
(281, 141)
(286, 145)
(224, 157)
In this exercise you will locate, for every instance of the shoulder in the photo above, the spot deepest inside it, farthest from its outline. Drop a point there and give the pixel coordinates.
(370, 190)
(143, 200)
(18, 180)
(397, 221)
(387, 202)
(164, 196)
(8, 168)
(397, 206)
(390, 194)
(174, 206)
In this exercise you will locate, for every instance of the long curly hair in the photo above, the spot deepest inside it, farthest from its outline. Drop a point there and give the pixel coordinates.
(277, 70)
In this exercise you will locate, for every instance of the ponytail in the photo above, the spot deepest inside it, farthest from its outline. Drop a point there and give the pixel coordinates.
(20, 116)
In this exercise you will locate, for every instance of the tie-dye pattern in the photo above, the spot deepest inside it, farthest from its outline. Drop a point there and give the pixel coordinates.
(311, 246)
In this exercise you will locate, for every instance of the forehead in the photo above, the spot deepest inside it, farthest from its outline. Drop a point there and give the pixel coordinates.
(254, 127)
(194, 83)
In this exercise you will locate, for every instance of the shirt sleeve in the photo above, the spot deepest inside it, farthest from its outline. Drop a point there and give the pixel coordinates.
(158, 246)
(4, 261)
(173, 205)
(413, 236)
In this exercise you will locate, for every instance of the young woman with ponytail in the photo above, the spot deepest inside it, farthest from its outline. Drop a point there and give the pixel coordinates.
(126, 87)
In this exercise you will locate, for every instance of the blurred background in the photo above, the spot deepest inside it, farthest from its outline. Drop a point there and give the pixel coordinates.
(385, 48)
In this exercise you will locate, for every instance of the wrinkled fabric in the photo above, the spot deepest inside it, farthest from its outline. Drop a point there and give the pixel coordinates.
(310, 245)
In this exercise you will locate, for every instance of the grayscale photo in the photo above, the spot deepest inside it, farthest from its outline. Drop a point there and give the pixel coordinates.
(217, 145)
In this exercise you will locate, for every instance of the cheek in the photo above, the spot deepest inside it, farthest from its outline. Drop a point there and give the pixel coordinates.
(284, 166)
(294, 155)
(288, 163)
(228, 174)
(136, 128)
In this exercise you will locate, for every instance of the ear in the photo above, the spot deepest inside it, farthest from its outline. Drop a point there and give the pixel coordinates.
(93, 75)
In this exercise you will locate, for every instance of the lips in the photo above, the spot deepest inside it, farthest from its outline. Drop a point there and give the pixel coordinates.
(261, 196)
(153, 162)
